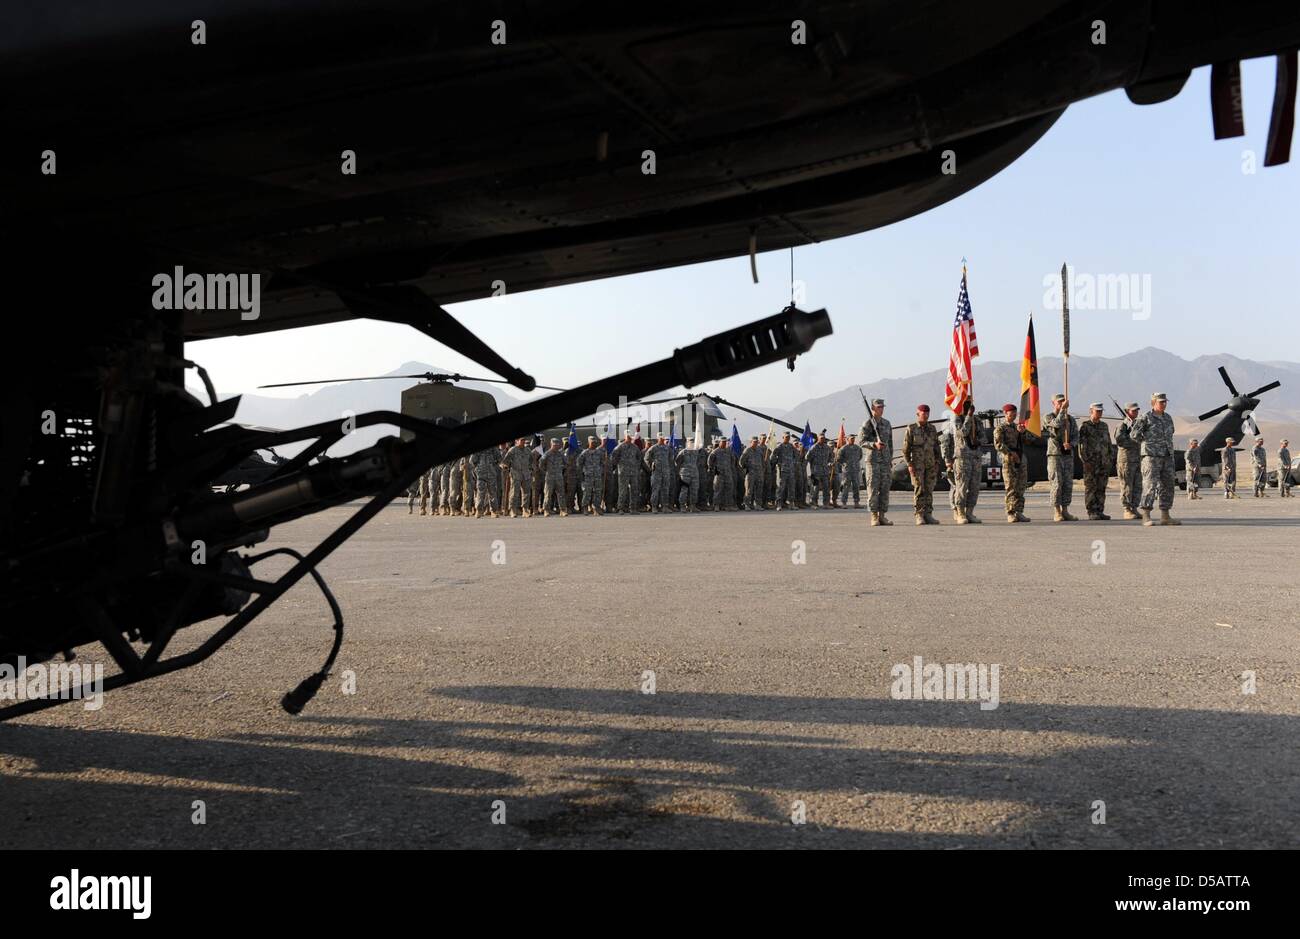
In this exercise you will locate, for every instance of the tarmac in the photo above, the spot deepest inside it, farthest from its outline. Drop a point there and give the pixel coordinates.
(492, 691)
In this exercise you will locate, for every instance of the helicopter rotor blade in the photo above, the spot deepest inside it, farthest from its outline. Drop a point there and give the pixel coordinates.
(1209, 414)
(328, 381)
(741, 407)
(1223, 373)
(1259, 391)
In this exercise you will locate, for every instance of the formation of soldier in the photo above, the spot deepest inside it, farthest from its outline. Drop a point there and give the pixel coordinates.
(653, 476)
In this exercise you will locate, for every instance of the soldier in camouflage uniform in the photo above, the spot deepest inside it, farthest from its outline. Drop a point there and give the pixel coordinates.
(1229, 469)
(467, 487)
(659, 460)
(611, 476)
(1284, 471)
(833, 476)
(850, 470)
(966, 465)
(688, 471)
(1009, 440)
(518, 460)
(485, 464)
(1155, 431)
(591, 470)
(877, 436)
(535, 471)
(1094, 451)
(819, 468)
(783, 467)
(1128, 464)
(800, 475)
(751, 466)
(707, 483)
(767, 484)
(444, 489)
(722, 467)
(1062, 432)
(552, 466)
(1192, 469)
(626, 461)
(1259, 468)
(921, 454)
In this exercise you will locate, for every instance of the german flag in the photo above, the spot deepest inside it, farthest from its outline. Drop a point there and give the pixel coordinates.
(1031, 410)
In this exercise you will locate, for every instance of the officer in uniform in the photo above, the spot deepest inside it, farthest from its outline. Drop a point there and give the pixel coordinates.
(1259, 465)
(1155, 431)
(1192, 469)
(921, 454)
(1094, 451)
(1284, 471)
(1128, 464)
(1009, 441)
(1062, 432)
(591, 470)
(877, 436)
(850, 464)
(1229, 469)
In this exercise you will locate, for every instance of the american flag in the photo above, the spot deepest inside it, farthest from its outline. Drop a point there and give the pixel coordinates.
(964, 348)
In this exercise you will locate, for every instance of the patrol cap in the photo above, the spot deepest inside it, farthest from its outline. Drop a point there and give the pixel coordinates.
(1285, 442)
(1009, 407)
(1230, 440)
(923, 407)
(1097, 406)
(877, 402)
(1192, 441)
(1058, 397)
(555, 440)
(1131, 406)
(851, 436)
(1259, 440)
(1158, 396)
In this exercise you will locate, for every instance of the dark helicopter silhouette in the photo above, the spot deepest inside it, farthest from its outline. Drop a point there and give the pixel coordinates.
(1238, 422)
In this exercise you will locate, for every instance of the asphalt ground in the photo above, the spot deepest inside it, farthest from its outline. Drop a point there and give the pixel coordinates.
(504, 705)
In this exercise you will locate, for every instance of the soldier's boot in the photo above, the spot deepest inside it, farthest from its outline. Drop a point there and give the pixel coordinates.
(1011, 519)
(1130, 515)
(1022, 517)
(930, 519)
(959, 516)
(1057, 515)
(875, 519)
(884, 519)
(1065, 514)
(970, 517)
(1167, 519)
(1146, 518)
(1103, 517)
(920, 519)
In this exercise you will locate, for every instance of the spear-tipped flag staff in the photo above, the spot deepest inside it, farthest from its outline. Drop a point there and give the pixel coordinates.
(1065, 339)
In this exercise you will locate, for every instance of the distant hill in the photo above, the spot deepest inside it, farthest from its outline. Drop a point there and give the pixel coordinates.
(1193, 387)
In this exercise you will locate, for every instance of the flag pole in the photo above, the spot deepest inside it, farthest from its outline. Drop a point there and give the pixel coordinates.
(1065, 342)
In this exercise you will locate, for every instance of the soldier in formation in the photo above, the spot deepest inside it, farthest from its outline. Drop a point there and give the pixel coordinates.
(1009, 441)
(1154, 430)
(963, 455)
(849, 465)
(1128, 464)
(1062, 432)
(1229, 464)
(1284, 470)
(1094, 451)
(1192, 469)
(1259, 468)
(877, 436)
(921, 454)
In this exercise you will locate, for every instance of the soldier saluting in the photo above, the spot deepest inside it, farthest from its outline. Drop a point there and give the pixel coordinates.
(921, 454)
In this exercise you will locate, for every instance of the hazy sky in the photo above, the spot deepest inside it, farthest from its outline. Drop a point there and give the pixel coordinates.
(1113, 188)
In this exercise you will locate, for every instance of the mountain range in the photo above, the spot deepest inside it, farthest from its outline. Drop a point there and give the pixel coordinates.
(1193, 387)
